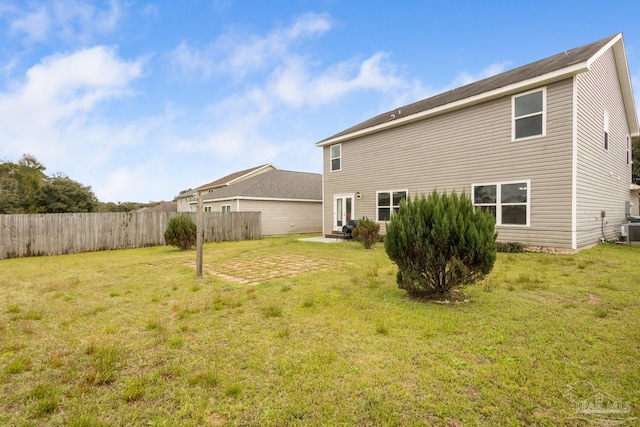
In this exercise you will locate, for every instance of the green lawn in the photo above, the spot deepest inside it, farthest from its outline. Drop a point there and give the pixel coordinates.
(132, 338)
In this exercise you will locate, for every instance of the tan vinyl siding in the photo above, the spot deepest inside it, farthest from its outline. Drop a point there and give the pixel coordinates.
(603, 177)
(464, 147)
(286, 217)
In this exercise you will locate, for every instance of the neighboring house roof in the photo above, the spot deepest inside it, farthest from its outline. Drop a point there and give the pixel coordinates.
(274, 184)
(161, 207)
(187, 193)
(553, 68)
(236, 176)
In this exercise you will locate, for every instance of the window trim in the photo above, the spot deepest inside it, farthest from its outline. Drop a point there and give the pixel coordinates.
(543, 112)
(331, 159)
(605, 129)
(225, 208)
(391, 206)
(499, 203)
(628, 150)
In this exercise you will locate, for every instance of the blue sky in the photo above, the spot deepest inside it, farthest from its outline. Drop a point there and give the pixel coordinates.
(141, 99)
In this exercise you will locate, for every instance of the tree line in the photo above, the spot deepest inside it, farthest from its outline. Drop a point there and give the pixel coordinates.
(26, 189)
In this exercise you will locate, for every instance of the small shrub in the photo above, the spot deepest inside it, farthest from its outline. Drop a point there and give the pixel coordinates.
(181, 232)
(440, 242)
(509, 247)
(367, 232)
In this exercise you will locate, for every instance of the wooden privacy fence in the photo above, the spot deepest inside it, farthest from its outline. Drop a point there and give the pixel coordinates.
(54, 234)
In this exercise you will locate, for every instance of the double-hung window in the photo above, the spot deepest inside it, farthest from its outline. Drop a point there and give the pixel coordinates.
(388, 203)
(529, 114)
(335, 154)
(509, 202)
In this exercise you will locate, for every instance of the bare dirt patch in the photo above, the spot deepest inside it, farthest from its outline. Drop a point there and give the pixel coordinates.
(253, 270)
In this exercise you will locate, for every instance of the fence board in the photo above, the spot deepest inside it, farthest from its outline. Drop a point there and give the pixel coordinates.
(55, 234)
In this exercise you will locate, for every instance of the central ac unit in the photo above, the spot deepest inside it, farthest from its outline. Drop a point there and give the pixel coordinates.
(631, 231)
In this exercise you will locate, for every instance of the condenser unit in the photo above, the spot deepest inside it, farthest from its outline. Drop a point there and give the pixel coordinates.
(631, 231)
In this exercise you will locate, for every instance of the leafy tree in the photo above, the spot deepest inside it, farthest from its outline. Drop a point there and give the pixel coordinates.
(440, 242)
(60, 194)
(366, 232)
(181, 232)
(19, 185)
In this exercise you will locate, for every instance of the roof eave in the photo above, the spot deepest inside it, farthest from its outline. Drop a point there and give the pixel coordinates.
(622, 68)
(483, 97)
(625, 85)
(279, 199)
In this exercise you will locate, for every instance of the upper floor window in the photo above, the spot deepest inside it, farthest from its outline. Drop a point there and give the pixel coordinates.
(226, 208)
(529, 114)
(509, 202)
(389, 203)
(606, 129)
(207, 208)
(335, 157)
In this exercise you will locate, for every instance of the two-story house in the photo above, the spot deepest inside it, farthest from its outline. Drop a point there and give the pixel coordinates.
(545, 147)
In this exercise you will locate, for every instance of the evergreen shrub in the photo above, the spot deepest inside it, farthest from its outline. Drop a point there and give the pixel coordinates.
(439, 243)
(367, 232)
(181, 232)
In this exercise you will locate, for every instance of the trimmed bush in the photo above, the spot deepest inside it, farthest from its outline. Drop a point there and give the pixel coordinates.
(366, 232)
(181, 232)
(440, 242)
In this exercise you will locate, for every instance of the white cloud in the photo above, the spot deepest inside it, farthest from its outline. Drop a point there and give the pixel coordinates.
(34, 24)
(295, 85)
(187, 61)
(50, 110)
(118, 186)
(237, 53)
(66, 20)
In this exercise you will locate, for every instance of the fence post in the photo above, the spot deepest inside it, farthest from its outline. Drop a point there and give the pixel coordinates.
(199, 236)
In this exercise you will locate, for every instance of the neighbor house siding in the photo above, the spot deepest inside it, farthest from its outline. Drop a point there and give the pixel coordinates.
(286, 217)
(603, 176)
(183, 204)
(464, 147)
(217, 206)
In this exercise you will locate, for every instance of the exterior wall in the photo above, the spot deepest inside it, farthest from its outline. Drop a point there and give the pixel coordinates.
(279, 217)
(286, 217)
(183, 204)
(464, 147)
(603, 177)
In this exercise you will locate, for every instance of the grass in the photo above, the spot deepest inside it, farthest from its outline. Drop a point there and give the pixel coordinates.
(132, 338)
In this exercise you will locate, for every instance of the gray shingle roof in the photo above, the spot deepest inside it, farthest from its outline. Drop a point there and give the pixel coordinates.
(227, 179)
(544, 66)
(275, 184)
